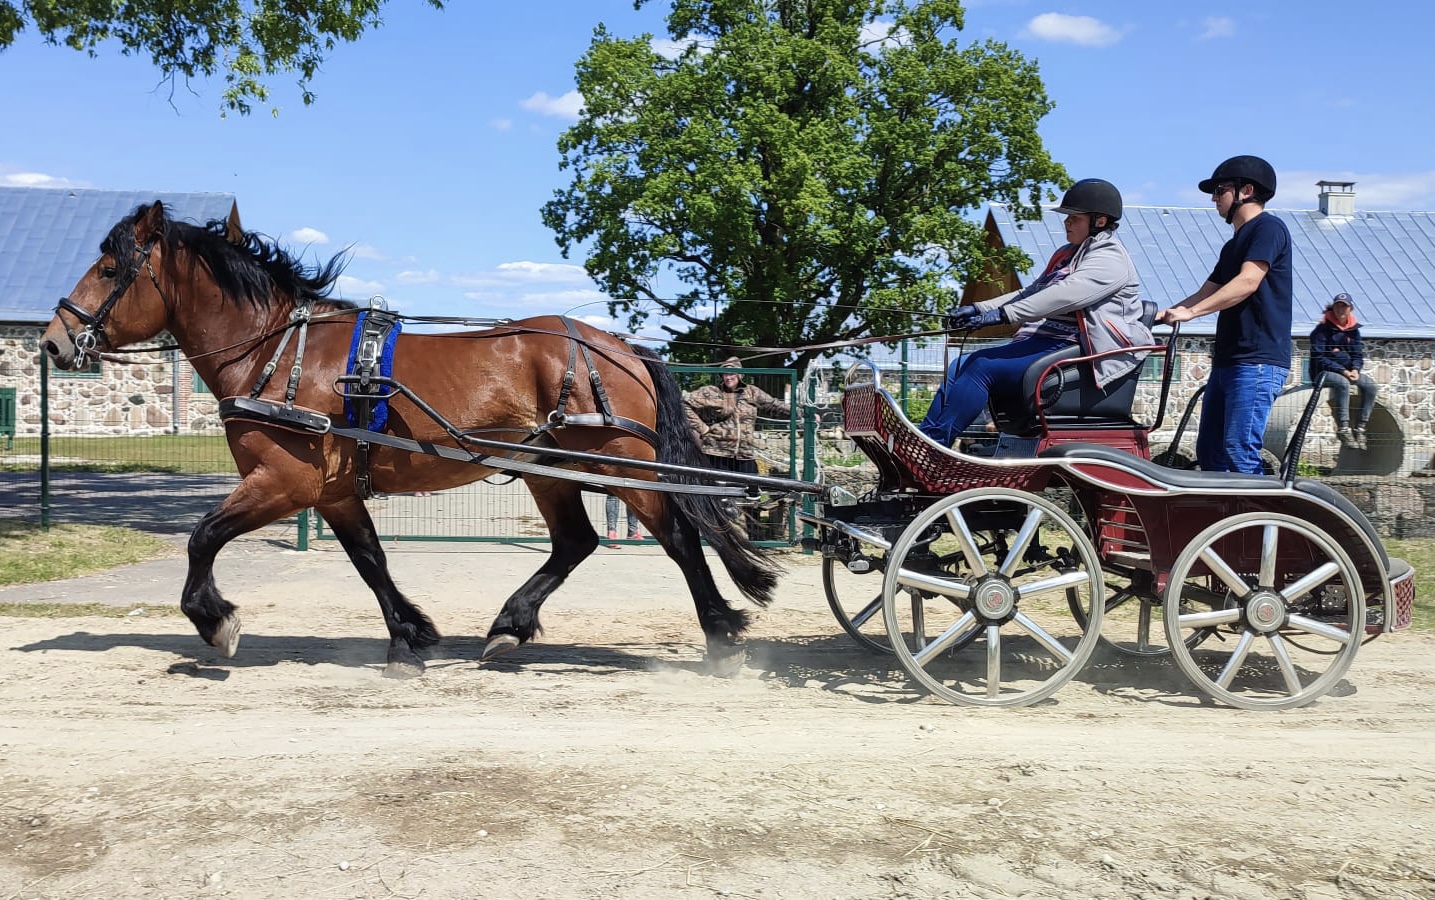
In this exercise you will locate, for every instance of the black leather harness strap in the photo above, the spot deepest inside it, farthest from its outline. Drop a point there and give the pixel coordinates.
(605, 416)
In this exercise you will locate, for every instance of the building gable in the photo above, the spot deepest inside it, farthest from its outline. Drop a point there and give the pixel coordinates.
(49, 237)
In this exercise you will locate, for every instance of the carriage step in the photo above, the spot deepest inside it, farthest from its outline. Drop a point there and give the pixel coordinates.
(1130, 559)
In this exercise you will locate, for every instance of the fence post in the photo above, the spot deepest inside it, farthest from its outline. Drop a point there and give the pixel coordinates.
(44, 440)
(304, 529)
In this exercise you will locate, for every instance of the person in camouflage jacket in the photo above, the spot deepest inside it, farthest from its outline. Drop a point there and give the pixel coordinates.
(724, 418)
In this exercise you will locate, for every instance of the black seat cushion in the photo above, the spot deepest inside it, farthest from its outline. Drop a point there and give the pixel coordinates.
(1069, 395)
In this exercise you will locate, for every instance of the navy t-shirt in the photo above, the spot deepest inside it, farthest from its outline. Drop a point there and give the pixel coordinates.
(1258, 329)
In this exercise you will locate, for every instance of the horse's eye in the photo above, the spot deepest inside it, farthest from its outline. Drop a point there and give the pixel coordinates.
(107, 271)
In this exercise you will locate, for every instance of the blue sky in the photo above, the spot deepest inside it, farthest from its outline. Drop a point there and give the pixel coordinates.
(432, 144)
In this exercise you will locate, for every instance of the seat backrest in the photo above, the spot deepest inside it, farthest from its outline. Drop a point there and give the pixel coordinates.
(1069, 396)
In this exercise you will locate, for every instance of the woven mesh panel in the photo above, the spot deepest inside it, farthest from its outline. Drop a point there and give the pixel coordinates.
(1404, 601)
(868, 410)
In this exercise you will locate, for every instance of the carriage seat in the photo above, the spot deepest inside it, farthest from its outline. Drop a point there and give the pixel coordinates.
(1068, 394)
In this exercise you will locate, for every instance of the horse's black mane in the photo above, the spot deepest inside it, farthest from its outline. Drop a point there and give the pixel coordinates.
(253, 270)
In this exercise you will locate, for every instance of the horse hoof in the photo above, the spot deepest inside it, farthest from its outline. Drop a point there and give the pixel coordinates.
(725, 662)
(226, 636)
(403, 669)
(498, 645)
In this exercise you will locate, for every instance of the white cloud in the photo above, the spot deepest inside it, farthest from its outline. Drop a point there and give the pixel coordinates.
(1063, 29)
(1373, 191)
(880, 34)
(410, 276)
(37, 180)
(1217, 27)
(351, 287)
(567, 106)
(501, 124)
(367, 251)
(310, 236)
(536, 271)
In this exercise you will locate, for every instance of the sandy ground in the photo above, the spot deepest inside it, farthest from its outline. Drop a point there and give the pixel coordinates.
(599, 763)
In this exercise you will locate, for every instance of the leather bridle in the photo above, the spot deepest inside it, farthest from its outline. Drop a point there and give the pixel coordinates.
(87, 340)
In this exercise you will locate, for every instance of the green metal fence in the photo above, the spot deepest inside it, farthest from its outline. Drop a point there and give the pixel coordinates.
(88, 451)
(500, 510)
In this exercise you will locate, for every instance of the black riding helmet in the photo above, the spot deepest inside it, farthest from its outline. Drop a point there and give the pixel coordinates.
(1242, 170)
(1094, 197)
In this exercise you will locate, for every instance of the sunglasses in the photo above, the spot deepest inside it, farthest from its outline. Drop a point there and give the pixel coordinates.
(1223, 187)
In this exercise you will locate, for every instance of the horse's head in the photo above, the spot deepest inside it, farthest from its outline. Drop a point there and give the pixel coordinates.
(118, 301)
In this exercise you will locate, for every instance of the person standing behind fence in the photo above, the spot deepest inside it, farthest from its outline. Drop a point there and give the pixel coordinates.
(1336, 347)
(723, 416)
(610, 513)
(1251, 288)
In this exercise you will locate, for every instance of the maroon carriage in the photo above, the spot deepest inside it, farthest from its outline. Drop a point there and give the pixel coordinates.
(997, 579)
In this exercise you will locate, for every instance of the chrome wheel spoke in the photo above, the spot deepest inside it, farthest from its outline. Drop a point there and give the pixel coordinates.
(1023, 541)
(1238, 656)
(945, 639)
(1055, 646)
(1283, 659)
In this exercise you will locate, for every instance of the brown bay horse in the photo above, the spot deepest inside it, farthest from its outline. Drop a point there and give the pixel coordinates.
(229, 299)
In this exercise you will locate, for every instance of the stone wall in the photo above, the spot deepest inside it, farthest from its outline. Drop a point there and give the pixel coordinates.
(136, 396)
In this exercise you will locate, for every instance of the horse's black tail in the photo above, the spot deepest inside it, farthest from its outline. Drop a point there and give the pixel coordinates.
(751, 570)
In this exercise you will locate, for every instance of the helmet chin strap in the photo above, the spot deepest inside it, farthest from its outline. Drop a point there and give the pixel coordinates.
(1237, 203)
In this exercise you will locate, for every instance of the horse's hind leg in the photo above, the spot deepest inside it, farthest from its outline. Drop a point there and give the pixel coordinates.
(248, 507)
(574, 540)
(409, 629)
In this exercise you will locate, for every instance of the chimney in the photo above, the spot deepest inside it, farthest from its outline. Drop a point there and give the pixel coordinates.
(1337, 198)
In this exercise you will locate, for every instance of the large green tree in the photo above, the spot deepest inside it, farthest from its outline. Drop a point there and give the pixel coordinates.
(806, 167)
(248, 41)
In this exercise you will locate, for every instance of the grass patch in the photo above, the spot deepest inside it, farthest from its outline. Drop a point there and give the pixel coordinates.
(79, 610)
(1421, 555)
(185, 454)
(31, 554)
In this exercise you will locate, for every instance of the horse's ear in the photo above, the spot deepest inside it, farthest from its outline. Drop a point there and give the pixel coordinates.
(233, 231)
(150, 224)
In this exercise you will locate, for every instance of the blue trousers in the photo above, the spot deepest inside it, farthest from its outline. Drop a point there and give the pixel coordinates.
(972, 379)
(1234, 411)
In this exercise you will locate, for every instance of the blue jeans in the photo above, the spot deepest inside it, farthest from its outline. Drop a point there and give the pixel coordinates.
(610, 513)
(1339, 387)
(973, 378)
(1234, 412)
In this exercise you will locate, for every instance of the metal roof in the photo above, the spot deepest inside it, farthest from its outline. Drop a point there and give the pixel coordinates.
(1385, 260)
(50, 236)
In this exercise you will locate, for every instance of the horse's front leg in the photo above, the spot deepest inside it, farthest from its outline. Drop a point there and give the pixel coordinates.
(248, 507)
(409, 629)
(574, 540)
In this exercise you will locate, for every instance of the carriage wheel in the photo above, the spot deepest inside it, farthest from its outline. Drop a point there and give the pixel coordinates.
(1290, 611)
(1010, 602)
(1133, 623)
(856, 601)
(856, 597)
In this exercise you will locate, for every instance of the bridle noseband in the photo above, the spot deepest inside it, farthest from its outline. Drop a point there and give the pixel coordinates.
(87, 341)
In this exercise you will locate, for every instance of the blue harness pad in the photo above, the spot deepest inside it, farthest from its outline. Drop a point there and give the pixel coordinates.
(379, 416)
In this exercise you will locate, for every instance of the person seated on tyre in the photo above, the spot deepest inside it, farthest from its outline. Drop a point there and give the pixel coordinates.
(1336, 347)
(1088, 294)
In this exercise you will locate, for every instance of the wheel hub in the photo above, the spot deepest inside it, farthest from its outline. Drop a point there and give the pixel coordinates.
(994, 599)
(1265, 612)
